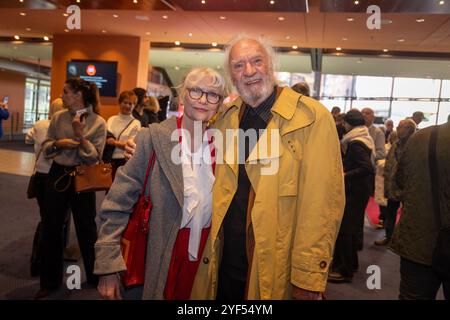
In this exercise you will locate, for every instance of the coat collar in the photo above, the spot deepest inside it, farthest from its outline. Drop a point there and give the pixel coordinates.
(163, 146)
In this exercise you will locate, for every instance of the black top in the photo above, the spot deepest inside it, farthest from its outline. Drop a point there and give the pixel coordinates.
(148, 117)
(234, 259)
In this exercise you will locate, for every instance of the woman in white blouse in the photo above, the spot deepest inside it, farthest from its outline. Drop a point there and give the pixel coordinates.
(180, 186)
(120, 128)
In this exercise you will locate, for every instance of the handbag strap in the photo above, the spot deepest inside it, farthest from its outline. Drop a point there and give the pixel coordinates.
(151, 164)
(434, 174)
(120, 134)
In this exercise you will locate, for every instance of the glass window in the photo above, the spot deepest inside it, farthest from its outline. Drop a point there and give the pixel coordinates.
(380, 108)
(284, 78)
(336, 85)
(303, 77)
(341, 103)
(36, 110)
(444, 112)
(405, 109)
(371, 87)
(416, 88)
(445, 89)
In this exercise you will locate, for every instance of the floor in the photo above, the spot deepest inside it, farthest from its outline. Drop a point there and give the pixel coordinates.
(19, 217)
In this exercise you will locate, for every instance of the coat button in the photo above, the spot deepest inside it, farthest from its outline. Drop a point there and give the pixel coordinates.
(205, 260)
(323, 265)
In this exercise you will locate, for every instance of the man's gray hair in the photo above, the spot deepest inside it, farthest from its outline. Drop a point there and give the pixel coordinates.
(265, 44)
(411, 124)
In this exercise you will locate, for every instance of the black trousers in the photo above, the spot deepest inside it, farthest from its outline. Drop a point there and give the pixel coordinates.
(391, 216)
(345, 257)
(419, 282)
(84, 212)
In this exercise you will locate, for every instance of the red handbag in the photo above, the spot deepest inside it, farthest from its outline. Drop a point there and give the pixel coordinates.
(135, 236)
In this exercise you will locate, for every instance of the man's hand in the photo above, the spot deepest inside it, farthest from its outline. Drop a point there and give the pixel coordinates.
(78, 126)
(4, 105)
(302, 294)
(130, 148)
(67, 144)
(109, 287)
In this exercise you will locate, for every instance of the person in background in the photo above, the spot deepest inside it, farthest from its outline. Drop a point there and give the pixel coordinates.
(75, 136)
(405, 130)
(153, 106)
(164, 105)
(181, 193)
(335, 111)
(358, 155)
(37, 135)
(418, 117)
(141, 111)
(416, 233)
(339, 120)
(302, 88)
(389, 134)
(120, 128)
(4, 115)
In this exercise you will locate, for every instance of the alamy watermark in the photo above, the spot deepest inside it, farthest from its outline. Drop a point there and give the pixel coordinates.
(73, 21)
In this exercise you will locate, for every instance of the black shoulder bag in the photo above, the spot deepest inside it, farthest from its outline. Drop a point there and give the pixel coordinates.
(441, 254)
(109, 149)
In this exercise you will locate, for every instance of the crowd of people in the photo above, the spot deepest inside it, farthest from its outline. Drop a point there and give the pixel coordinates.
(221, 228)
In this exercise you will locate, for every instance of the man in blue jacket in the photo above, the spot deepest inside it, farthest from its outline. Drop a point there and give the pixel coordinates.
(4, 115)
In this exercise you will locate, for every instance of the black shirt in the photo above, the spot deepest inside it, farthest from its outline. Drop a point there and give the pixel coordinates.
(234, 261)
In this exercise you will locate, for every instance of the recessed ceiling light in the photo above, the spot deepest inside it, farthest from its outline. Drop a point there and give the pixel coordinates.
(190, 34)
(16, 37)
(65, 14)
(66, 30)
(222, 17)
(78, 1)
(441, 3)
(288, 37)
(338, 48)
(142, 18)
(281, 18)
(401, 40)
(115, 15)
(356, 2)
(177, 43)
(135, 1)
(350, 19)
(177, 68)
(272, 2)
(294, 47)
(203, 2)
(148, 33)
(23, 14)
(385, 50)
(28, 29)
(103, 31)
(214, 44)
(344, 39)
(420, 20)
(46, 38)
(165, 17)
(20, 0)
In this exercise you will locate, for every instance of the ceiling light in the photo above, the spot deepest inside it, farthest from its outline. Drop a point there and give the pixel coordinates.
(78, 1)
(218, 67)
(401, 40)
(46, 38)
(294, 47)
(338, 48)
(16, 37)
(177, 43)
(222, 17)
(272, 2)
(385, 50)
(115, 15)
(281, 18)
(28, 29)
(344, 39)
(135, 1)
(103, 31)
(165, 17)
(20, 0)
(148, 33)
(420, 20)
(203, 2)
(214, 44)
(66, 30)
(65, 14)
(356, 2)
(177, 68)
(23, 14)
(350, 19)
(441, 3)
(190, 34)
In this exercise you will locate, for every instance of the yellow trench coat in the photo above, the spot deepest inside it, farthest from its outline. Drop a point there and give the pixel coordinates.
(296, 212)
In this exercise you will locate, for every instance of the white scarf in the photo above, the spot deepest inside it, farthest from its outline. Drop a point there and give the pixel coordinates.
(360, 133)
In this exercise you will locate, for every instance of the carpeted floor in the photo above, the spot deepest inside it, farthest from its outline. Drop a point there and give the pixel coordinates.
(19, 217)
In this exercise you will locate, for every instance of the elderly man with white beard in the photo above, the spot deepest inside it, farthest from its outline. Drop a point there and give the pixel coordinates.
(272, 234)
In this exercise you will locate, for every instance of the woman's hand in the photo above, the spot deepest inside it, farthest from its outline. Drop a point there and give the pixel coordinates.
(109, 287)
(130, 148)
(78, 126)
(67, 144)
(111, 141)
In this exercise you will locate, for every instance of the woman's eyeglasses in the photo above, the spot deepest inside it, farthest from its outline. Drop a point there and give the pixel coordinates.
(197, 94)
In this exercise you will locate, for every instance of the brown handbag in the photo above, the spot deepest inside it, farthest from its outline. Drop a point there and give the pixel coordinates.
(91, 178)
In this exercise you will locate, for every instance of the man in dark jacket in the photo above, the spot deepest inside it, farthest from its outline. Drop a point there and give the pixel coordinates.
(415, 236)
(4, 115)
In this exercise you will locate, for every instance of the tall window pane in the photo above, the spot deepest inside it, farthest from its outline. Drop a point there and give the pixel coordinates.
(445, 89)
(373, 87)
(404, 109)
(444, 112)
(341, 103)
(416, 88)
(336, 85)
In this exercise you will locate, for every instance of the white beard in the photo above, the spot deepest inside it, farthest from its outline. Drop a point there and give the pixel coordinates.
(255, 97)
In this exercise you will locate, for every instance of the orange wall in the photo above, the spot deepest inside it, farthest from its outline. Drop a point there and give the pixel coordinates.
(132, 54)
(13, 85)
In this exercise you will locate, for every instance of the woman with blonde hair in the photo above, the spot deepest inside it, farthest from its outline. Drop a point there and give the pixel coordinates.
(180, 186)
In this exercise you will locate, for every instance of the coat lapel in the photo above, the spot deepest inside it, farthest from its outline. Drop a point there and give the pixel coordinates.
(164, 146)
